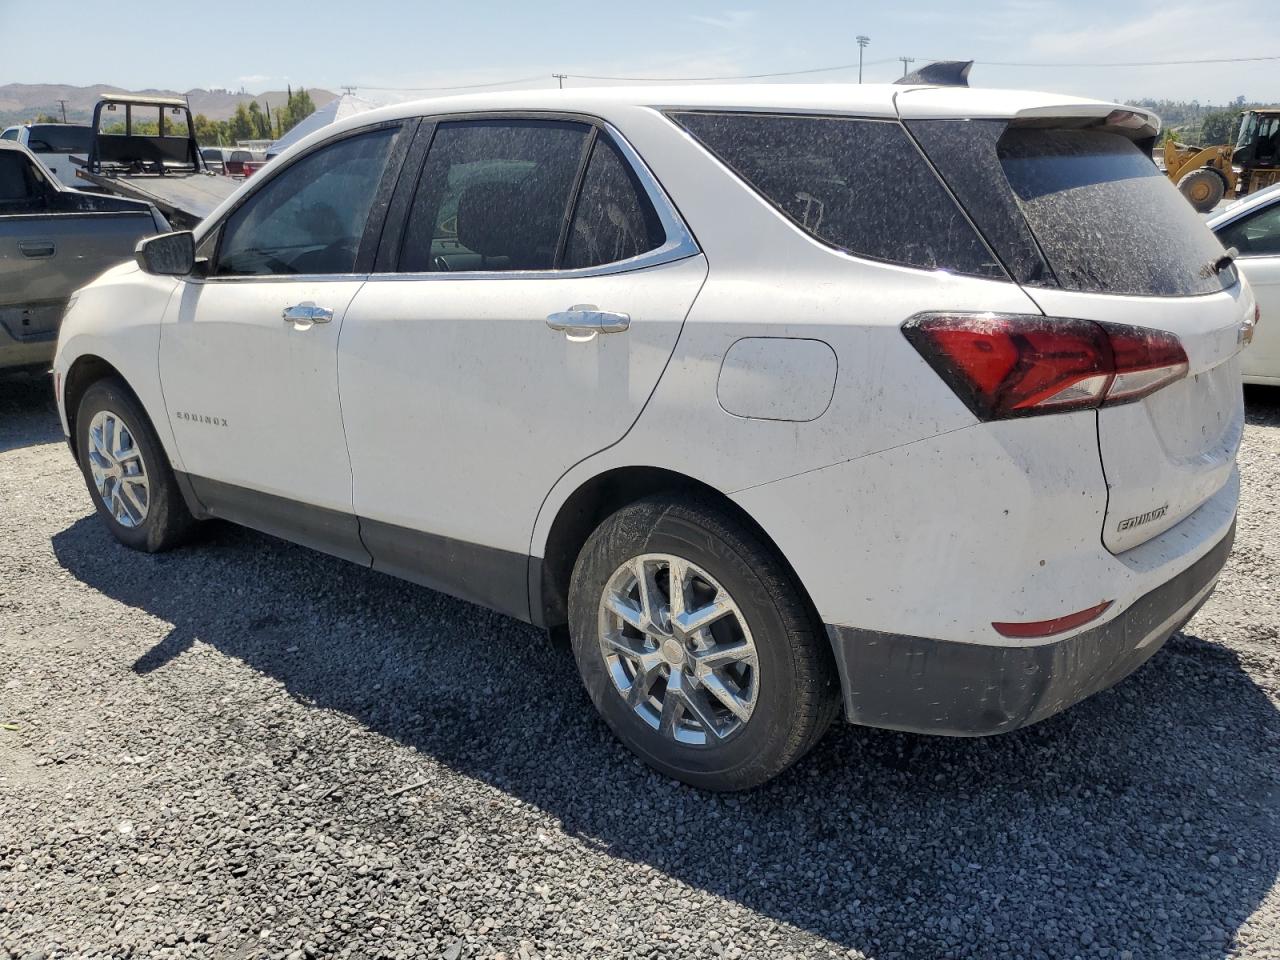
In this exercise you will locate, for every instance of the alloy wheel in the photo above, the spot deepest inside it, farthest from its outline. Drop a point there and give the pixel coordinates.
(678, 649)
(119, 472)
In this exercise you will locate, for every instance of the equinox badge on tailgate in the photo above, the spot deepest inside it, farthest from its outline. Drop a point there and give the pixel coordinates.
(1142, 518)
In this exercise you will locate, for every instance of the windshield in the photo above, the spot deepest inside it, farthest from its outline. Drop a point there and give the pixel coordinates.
(59, 138)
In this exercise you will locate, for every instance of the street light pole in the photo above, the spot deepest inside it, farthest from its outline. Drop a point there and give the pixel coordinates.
(862, 42)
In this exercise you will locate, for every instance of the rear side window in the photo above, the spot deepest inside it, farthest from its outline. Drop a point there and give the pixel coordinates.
(860, 186)
(493, 195)
(1107, 219)
(18, 184)
(613, 219)
(1257, 235)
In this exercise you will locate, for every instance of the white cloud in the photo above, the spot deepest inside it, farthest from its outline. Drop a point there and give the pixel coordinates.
(730, 20)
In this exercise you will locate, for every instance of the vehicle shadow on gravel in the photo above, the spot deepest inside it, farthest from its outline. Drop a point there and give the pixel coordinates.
(28, 414)
(1139, 821)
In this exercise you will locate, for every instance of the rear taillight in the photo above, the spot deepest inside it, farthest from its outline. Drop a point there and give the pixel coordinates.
(1015, 365)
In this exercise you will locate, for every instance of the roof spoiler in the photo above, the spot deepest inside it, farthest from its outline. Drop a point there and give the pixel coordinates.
(940, 73)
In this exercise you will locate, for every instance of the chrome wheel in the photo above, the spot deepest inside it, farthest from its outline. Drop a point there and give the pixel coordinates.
(678, 649)
(119, 472)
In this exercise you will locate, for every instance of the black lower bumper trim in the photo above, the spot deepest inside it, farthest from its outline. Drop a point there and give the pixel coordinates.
(970, 689)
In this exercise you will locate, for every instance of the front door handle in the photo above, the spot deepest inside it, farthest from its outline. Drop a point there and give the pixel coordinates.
(36, 249)
(306, 312)
(585, 320)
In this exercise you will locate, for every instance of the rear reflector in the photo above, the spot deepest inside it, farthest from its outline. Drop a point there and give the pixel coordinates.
(1047, 628)
(1016, 365)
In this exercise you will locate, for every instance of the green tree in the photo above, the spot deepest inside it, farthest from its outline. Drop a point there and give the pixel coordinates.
(241, 126)
(209, 133)
(261, 125)
(1220, 126)
(297, 108)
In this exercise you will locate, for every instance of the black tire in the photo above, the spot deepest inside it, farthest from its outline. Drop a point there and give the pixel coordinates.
(798, 691)
(1203, 188)
(167, 521)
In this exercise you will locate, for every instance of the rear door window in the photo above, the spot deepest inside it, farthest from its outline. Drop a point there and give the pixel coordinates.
(613, 219)
(494, 195)
(858, 185)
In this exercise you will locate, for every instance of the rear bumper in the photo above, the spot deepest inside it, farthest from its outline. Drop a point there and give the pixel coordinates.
(943, 687)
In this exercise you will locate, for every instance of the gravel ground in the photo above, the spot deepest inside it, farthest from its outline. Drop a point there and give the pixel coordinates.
(245, 749)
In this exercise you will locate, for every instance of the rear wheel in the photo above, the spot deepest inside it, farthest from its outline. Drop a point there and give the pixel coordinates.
(126, 471)
(696, 647)
(1203, 187)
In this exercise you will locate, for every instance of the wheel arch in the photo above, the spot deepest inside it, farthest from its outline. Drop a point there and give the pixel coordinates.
(88, 369)
(601, 495)
(84, 372)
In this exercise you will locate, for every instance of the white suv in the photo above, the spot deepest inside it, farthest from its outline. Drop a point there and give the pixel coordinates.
(919, 403)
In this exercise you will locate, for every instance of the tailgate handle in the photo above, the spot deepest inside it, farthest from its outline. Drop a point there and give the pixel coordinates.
(36, 249)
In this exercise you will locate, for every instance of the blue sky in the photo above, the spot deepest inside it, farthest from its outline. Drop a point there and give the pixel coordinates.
(385, 44)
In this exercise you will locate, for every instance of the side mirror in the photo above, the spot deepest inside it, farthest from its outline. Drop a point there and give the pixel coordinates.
(167, 255)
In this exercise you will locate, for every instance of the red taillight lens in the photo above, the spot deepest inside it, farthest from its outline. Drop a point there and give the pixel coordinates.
(1145, 361)
(1013, 365)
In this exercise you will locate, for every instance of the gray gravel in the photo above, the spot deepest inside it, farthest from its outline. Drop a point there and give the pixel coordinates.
(245, 749)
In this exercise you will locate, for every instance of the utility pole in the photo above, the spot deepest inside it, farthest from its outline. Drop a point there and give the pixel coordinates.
(63, 104)
(905, 61)
(862, 43)
(348, 90)
(560, 77)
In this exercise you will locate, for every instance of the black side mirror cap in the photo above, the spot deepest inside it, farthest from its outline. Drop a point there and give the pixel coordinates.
(167, 255)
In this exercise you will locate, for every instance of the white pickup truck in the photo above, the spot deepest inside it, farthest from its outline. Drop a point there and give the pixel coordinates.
(56, 144)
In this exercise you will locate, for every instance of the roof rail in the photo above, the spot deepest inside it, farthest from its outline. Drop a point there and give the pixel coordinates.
(940, 73)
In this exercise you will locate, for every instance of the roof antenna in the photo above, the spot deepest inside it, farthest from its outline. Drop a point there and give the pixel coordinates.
(940, 73)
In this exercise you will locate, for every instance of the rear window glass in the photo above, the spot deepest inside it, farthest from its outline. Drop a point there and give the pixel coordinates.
(1107, 220)
(860, 186)
(47, 138)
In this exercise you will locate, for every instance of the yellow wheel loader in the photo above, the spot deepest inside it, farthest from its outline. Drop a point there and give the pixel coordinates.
(1207, 174)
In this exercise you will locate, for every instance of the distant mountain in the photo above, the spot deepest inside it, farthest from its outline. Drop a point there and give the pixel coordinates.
(21, 102)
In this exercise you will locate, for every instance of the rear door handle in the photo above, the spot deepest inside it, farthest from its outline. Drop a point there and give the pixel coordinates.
(36, 249)
(586, 319)
(306, 312)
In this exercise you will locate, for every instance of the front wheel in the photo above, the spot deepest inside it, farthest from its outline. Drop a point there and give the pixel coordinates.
(1203, 187)
(696, 647)
(126, 471)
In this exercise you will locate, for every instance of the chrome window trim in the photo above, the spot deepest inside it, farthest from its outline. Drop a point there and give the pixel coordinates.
(680, 244)
(281, 278)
